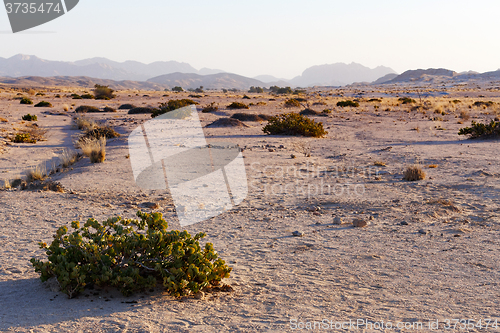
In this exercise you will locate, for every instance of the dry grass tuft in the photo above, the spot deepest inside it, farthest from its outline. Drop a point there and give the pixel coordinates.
(68, 158)
(94, 148)
(37, 173)
(84, 123)
(379, 163)
(414, 173)
(464, 115)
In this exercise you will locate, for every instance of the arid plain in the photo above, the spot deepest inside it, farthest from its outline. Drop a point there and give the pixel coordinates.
(429, 252)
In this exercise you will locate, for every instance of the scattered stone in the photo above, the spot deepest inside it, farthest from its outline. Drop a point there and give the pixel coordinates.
(297, 233)
(199, 295)
(423, 232)
(404, 223)
(337, 220)
(359, 223)
(371, 218)
(151, 205)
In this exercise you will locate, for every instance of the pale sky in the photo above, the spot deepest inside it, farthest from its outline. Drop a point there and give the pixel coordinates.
(276, 37)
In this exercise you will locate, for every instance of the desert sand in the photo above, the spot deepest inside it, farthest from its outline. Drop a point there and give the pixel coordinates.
(429, 252)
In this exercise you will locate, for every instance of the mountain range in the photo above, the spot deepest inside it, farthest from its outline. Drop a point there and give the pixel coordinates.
(31, 70)
(179, 73)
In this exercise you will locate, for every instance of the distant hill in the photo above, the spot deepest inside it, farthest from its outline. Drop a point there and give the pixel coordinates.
(339, 74)
(213, 81)
(423, 75)
(102, 68)
(77, 81)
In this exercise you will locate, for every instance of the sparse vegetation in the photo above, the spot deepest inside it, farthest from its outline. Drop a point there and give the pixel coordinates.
(76, 96)
(131, 255)
(294, 124)
(172, 105)
(292, 103)
(210, 108)
(258, 90)
(26, 100)
(483, 104)
(94, 148)
(407, 100)
(126, 107)
(103, 92)
(43, 104)
(247, 117)
(413, 173)
(278, 90)
(141, 110)
(87, 109)
(108, 109)
(68, 158)
(479, 130)
(87, 96)
(464, 115)
(177, 89)
(347, 103)
(29, 117)
(237, 105)
(37, 173)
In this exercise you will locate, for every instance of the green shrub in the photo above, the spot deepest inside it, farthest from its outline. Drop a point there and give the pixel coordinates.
(141, 110)
(126, 107)
(292, 103)
(237, 105)
(29, 117)
(210, 108)
(76, 96)
(87, 108)
(26, 100)
(278, 90)
(103, 92)
(43, 104)
(39, 94)
(258, 90)
(87, 96)
(309, 112)
(172, 105)
(407, 100)
(177, 89)
(195, 96)
(131, 255)
(294, 124)
(478, 130)
(101, 131)
(347, 103)
(23, 138)
(108, 109)
(485, 104)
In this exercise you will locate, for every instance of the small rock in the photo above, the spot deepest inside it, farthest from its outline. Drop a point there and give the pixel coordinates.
(316, 213)
(359, 223)
(199, 295)
(337, 220)
(297, 233)
(404, 223)
(152, 205)
(423, 232)
(371, 218)
(271, 150)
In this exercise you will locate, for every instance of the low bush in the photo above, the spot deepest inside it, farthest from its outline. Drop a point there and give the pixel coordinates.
(26, 100)
(309, 112)
(126, 107)
(246, 97)
(101, 131)
(43, 104)
(29, 117)
(413, 173)
(292, 103)
(278, 90)
(347, 103)
(247, 117)
(131, 255)
(484, 104)
(375, 100)
(177, 89)
(294, 124)
(108, 109)
(87, 109)
(479, 130)
(103, 92)
(76, 96)
(23, 138)
(172, 105)
(87, 96)
(210, 108)
(141, 110)
(258, 90)
(407, 100)
(237, 105)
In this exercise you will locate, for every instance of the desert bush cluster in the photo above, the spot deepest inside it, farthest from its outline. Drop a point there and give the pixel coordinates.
(237, 105)
(480, 130)
(294, 124)
(131, 255)
(172, 105)
(103, 92)
(30, 117)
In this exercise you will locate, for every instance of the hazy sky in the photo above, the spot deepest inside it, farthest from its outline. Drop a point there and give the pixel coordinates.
(276, 37)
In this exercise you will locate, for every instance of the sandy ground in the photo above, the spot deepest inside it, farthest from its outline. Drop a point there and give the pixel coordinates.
(440, 264)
